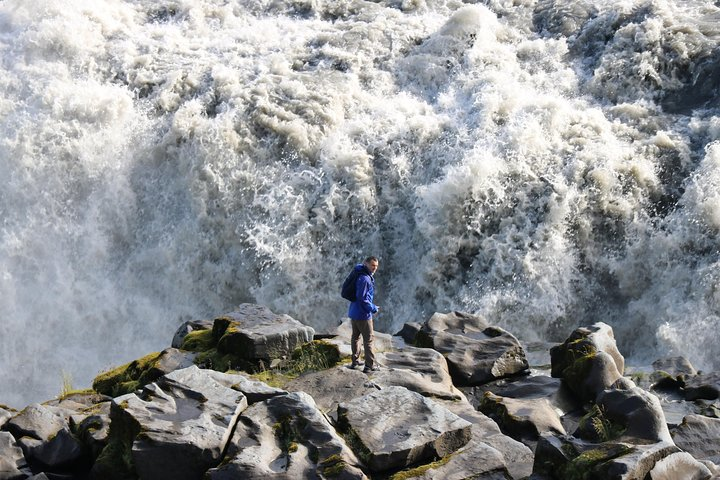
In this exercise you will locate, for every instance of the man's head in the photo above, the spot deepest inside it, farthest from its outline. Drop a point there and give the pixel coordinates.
(371, 263)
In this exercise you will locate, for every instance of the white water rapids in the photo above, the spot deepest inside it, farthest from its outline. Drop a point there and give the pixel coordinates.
(547, 164)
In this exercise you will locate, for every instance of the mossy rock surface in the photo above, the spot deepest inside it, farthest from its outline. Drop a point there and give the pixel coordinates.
(115, 461)
(129, 377)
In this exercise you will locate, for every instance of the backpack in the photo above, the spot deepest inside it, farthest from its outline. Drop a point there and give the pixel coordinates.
(349, 286)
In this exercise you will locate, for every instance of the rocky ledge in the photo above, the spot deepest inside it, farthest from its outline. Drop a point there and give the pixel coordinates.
(252, 394)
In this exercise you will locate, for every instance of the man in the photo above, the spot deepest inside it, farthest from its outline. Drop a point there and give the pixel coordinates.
(361, 314)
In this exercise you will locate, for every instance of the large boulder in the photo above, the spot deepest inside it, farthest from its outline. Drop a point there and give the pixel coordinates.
(286, 437)
(636, 414)
(522, 419)
(589, 362)
(421, 370)
(12, 461)
(253, 332)
(177, 427)
(395, 428)
(43, 433)
(680, 465)
(382, 342)
(475, 351)
(6, 413)
(699, 436)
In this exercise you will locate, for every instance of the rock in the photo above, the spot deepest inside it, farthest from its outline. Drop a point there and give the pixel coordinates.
(518, 458)
(331, 387)
(704, 386)
(175, 428)
(567, 457)
(12, 461)
(409, 331)
(636, 413)
(134, 375)
(680, 465)
(421, 370)
(254, 390)
(93, 430)
(6, 413)
(253, 332)
(286, 437)
(382, 342)
(476, 353)
(43, 433)
(699, 436)
(188, 327)
(589, 362)
(412, 429)
(670, 373)
(522, 419)
(527, 387)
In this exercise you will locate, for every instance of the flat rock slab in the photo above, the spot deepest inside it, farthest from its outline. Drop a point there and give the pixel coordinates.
(286, 437)
(476, 460)
(254, 332)
(395, 428)
(422, 370)
(254, 390)
(43, 433)
(476, 352)
(699, 436)
(12, 461)
(184, 419)
(527, 387)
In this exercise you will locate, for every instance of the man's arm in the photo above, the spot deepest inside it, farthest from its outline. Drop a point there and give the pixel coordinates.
(362, 294)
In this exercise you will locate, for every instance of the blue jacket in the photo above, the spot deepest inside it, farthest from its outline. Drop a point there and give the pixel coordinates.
(363, 308)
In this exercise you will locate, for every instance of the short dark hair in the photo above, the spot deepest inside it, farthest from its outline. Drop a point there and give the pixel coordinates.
(372, 259)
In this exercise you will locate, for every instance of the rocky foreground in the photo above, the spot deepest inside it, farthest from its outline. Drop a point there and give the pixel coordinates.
(257, 395)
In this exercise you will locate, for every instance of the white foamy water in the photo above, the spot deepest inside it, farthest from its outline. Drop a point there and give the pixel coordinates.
(546, 164)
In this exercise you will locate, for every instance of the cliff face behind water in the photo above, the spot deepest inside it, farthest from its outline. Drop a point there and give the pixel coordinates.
(543, 163)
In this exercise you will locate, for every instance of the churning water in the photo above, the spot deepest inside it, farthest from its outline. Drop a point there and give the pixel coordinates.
(545, 163)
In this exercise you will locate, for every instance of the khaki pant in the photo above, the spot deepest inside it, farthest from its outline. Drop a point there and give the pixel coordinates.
(364, 328)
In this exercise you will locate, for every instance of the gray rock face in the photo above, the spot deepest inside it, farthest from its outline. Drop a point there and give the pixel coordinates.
(396, 428)
(638, 412)
(12, 460)
(680, 465)
(286, 437)
(409, 332)
(253, 332)
(94, 428)
(43, 433)
(5, 415)
(477, 460)
(704, 386)
(476, 353)
(382, 342)
(522, 419)
(254, 390)
(421, 370)
(699, 436)
(589, 361)
(185, 420)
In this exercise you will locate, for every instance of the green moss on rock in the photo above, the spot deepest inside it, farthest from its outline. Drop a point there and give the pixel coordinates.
(420, 470)
(129, 377)
(115, 462)
(592, 464)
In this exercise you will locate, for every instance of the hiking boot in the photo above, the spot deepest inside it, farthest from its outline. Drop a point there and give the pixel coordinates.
(374, 368)
(354, 365)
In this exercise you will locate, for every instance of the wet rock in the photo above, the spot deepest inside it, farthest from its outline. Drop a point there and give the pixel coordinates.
(189, 327)
(94, 428)
(286, 437)
(253, 332)
(176, 428)
(396, 428)
(421, 370)
(589, 361)
(43, 433)
(699, 436)
(12, 461)
(704, 386)
(680, 465)
(670, 373)
(476, 352)
(409, 332)
(522, 419)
